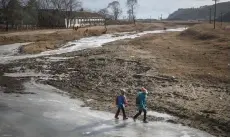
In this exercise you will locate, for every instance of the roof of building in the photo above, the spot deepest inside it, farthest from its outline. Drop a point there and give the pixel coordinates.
(76, 14)
(88, 14)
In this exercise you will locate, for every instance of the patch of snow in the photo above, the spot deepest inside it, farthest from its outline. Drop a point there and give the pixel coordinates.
(157, 114)
(102, 126)
(89, 100)
(84, 43)
(16, 68)
(12, 49)
(25, 74)
(56, 59)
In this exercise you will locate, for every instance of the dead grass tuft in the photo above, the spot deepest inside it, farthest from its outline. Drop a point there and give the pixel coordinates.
(206, 32)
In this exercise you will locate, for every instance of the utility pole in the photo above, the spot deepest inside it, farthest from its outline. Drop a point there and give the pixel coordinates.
(215, 14)
(210, 16)
(221, 18)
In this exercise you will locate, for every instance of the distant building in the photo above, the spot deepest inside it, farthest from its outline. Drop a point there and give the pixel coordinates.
(81, 19)
(55, 18)
(51, 18)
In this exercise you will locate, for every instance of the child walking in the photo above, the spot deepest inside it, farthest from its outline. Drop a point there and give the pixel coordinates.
(121, 103)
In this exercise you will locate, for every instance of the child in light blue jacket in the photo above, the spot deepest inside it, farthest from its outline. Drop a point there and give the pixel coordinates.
(141, 104)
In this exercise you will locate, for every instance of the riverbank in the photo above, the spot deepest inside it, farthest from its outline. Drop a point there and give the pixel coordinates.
(49, 39)
(181, 82)
(186, 76)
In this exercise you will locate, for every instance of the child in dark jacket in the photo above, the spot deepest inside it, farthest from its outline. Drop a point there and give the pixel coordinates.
(121, 103)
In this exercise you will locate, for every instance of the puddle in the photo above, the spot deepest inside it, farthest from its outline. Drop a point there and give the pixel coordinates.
(12, 49)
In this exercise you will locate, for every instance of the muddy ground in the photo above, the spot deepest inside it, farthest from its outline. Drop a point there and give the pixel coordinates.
(187, 75)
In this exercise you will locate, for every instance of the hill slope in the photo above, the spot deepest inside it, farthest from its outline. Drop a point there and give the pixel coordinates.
(226, 17)
(201, 13)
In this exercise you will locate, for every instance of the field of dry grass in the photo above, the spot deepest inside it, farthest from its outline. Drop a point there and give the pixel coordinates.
(51, 39)
(198, 52)
(46, 39)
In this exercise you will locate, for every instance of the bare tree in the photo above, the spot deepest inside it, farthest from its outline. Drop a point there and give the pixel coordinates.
(67, 7)
(116, 9)
(57, 4)
(4, 3)
(31, 12)
(4, 7)
(45, 4)
(129, 12)
(103, 12)
(132, 4)
(24, 2)
(14, 13)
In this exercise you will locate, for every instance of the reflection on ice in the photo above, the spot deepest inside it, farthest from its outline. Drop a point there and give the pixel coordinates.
(67, 116)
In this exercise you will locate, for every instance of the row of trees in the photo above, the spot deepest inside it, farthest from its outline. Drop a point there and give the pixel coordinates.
(14, 13)
(19, 12)
(116, 10)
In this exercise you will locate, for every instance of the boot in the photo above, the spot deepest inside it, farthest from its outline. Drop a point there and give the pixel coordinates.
(145, 121)
(134, 119)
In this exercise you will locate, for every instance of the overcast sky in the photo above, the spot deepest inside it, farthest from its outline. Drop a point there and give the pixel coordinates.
(147, 8)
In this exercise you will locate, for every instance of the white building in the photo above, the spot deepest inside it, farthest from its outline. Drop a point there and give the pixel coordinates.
(83, 19)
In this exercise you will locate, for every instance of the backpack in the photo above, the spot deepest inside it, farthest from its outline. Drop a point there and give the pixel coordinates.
(138, 99)
(116, 100)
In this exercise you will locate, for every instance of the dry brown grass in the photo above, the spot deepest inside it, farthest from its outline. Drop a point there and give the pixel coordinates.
(51, 39)
(197, 53)
(137, 27)
(93, 31)
(38, 47)
(198, 63)
(206, 32)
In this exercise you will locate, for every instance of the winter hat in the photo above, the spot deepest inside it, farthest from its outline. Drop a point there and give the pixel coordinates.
(123, 91)
(144, 90)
